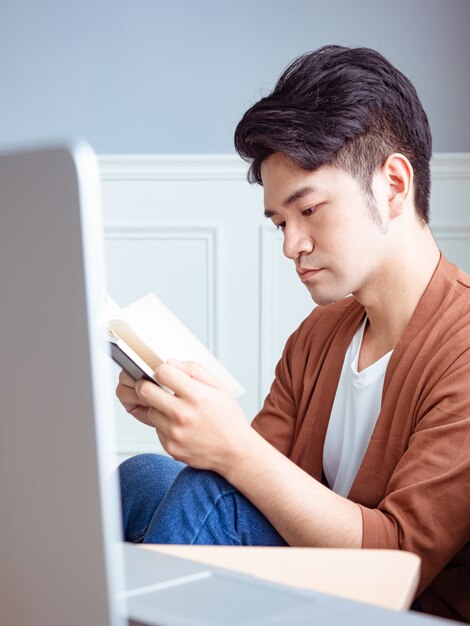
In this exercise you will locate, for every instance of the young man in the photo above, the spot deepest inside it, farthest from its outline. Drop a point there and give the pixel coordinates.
(364, 439)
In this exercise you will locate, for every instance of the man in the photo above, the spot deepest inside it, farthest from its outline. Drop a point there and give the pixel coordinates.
(364, 438)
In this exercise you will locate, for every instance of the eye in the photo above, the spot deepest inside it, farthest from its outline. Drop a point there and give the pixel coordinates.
(280, 226)
(309, 211)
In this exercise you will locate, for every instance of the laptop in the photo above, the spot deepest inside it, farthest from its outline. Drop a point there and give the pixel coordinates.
(62, 559)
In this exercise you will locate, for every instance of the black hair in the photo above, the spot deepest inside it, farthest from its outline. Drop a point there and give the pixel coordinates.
(348, 107)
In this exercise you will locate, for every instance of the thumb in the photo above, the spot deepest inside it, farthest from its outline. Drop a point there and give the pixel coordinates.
(199, 373)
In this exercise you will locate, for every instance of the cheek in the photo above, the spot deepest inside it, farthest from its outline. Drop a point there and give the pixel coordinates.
(338, 237)
(350, 249)
(347, 232)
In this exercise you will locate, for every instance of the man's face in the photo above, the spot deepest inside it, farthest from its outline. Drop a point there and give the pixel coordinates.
(329, 229)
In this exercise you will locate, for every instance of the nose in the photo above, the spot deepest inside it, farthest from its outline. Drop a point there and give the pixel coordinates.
(296, 243)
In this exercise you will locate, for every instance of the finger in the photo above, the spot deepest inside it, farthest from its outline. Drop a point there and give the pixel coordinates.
(141, 414)
(183, 385)
(126, 379)
(166, 433)
(161, 421)
(129, 400)
(154, 396)
(163, 439)
(127, 395)
(176, 379)
(198, 372)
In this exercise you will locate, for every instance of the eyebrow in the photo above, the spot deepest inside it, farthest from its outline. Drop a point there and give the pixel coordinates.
(296, 195)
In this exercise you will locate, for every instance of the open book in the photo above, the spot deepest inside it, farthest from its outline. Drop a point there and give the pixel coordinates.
(146, 333)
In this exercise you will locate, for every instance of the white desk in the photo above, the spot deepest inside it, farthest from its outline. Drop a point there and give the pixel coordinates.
(386, 578)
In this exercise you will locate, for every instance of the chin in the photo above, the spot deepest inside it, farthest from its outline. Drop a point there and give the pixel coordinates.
(322, 301)
(324, 298)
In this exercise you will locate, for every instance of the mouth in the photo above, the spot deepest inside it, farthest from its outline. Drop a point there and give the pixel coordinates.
(307, 274)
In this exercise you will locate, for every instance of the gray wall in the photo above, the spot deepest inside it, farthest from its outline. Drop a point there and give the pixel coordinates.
(145, 76)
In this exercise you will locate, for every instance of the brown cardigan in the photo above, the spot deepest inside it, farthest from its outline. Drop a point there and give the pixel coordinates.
(413, 485)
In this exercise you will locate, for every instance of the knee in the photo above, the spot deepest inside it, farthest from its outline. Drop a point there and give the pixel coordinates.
(139, 473)
(197, 481)
(135, 463)
(133, 469)
(196, 509)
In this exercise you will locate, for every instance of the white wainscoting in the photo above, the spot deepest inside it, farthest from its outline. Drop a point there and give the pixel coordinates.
(191, 229)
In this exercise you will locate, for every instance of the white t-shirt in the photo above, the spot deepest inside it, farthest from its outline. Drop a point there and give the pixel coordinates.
(356, 408)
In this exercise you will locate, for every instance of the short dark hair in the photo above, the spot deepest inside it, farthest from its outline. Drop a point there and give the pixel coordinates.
(341, 106)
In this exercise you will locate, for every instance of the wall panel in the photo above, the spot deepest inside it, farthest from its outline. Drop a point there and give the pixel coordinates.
(192, 230)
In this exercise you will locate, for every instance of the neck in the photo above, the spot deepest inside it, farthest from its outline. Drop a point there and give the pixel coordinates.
(395, 291)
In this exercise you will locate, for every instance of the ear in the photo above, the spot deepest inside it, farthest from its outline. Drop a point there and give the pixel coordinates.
(398, 174)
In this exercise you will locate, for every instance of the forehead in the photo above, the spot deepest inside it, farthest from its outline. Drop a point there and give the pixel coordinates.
(277, 166)
(282, 178)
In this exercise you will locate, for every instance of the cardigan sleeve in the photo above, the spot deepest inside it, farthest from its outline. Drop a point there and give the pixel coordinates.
(426, 507)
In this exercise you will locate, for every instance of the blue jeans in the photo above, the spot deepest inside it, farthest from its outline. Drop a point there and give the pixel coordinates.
(164, 501)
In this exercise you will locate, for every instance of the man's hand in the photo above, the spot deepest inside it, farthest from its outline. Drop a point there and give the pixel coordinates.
(127, 396)
(201, 425)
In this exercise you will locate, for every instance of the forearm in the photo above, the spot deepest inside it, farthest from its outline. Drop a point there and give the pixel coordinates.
(303, 511)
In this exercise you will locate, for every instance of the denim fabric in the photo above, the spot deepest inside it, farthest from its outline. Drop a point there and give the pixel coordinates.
(164, 501)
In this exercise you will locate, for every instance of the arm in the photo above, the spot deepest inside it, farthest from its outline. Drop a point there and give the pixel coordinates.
(204, 427)
(426, 508)
(426, 504)
(305, 512)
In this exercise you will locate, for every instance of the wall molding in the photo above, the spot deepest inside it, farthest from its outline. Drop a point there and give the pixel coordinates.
(172, 167)
(231, 167)
(209, 235)
(450, 232)
(450, 165)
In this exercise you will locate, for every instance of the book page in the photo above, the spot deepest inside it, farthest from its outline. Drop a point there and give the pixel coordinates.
(153, 324)
(107, 309)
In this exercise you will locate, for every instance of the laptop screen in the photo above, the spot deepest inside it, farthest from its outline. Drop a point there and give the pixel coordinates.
(56, 419)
